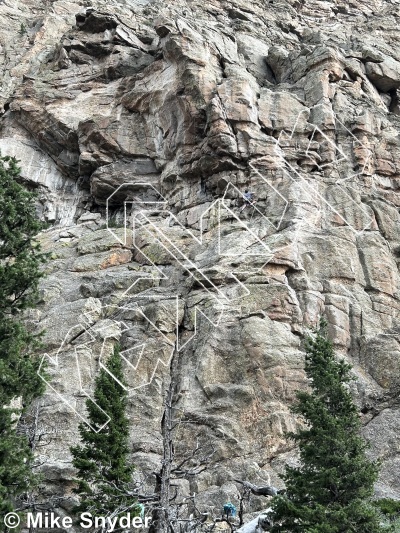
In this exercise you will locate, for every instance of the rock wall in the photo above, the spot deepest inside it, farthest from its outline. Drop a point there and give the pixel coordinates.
(157, 116)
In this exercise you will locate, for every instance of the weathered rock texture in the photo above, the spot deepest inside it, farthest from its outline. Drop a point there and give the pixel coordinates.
(188, 102)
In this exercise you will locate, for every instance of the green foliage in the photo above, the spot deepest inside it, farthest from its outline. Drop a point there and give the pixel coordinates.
(18, 367)
(389, 511)
(20, 261)
(20, 256)
(331, 489)
(395, 526)
(104, 471)
(112, 223)
(22, 29)
(388, 507)
(15, 463)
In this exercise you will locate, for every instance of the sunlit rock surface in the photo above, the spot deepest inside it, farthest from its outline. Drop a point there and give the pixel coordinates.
(161, 114)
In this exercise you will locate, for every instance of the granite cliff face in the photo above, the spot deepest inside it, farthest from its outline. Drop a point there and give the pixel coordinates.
(160, 114)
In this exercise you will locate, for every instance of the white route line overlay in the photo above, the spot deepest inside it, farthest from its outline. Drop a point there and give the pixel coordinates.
(218, 204)
(86, 327)
(90, 329)
(307, 186)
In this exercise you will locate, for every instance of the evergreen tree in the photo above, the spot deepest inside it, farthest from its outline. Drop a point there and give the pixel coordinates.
(331, 489)
(20, 256)
(104, 470)
(20, 261)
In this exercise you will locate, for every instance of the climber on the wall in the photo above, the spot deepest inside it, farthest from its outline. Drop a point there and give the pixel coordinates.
(249, 200)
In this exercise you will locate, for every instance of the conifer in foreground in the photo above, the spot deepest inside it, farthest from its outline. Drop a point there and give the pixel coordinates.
(331, 489)
(102, 461)
(20, 272)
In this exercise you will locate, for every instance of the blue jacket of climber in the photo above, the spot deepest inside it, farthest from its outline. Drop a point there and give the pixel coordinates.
(249, 199)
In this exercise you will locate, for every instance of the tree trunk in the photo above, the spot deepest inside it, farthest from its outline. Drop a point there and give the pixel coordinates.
(161, 519)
